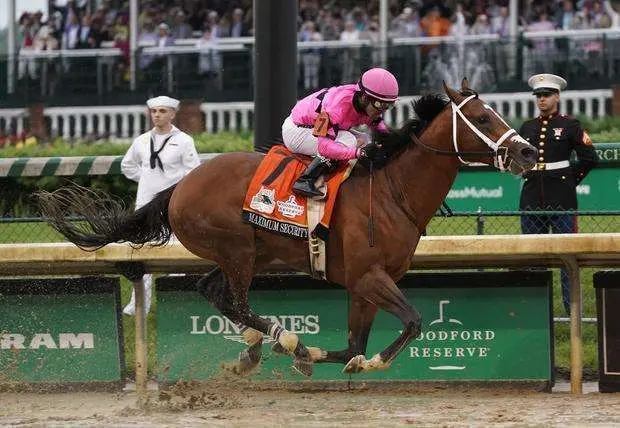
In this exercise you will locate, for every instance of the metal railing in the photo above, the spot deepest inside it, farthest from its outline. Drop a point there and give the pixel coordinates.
(34, 229)
(509, 222)
(588, 58)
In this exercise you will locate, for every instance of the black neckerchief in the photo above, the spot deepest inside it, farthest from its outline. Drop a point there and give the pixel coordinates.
(155, 160)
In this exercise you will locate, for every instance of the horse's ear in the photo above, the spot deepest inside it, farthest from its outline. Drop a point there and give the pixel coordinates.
(465, 85)
(452, 94)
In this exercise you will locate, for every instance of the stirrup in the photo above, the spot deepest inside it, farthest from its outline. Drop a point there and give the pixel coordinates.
(306, 188)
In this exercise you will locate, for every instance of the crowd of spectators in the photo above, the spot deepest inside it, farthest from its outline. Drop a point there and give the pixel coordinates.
(76, 26)
(161, 22)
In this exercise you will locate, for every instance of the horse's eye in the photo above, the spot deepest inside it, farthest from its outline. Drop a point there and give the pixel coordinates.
(483, 119)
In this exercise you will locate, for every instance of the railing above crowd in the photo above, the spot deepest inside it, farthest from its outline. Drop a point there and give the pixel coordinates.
(222, 70)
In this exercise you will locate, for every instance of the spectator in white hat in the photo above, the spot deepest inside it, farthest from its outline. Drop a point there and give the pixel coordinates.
(163, 36)
(155, 65)
(158, 159)
(181, 30)
(238, 27)
(212, 21)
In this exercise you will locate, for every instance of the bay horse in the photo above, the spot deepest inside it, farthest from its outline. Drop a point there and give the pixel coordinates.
(416, 166)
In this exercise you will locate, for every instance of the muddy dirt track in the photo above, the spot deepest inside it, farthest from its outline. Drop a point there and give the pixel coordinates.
(237, 404)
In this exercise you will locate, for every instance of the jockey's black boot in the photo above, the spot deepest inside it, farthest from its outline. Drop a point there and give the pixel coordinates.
(305, 184)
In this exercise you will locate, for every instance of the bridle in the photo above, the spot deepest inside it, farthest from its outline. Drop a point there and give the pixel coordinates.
(497, 152)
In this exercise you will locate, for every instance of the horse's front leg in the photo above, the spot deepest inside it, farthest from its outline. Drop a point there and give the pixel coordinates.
(378, 288)
(361, 316)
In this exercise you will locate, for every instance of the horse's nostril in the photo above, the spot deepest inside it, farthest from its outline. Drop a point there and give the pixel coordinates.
(529, 152)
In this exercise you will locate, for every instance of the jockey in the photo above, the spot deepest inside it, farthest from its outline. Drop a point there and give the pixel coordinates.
(319, 125)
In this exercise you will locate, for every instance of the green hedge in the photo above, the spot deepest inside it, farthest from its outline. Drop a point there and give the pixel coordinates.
(205, 143)
(15, 193)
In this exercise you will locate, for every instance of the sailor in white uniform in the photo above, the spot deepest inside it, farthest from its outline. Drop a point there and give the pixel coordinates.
(158, 159)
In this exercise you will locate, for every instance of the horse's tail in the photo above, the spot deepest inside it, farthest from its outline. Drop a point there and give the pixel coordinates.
(103, 219)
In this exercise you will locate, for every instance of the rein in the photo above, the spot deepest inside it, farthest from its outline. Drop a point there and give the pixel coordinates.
(371, 222)
(441, 152)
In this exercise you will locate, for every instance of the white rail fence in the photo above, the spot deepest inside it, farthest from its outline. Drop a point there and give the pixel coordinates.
(111, 121)
(237, 116)
(13, 120)
(123, 122)
(520, 105)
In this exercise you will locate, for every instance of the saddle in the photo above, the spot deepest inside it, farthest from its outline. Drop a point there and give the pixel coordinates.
(271, 205)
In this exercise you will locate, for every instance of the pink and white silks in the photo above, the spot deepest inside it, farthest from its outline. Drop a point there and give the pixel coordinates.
(339, 143)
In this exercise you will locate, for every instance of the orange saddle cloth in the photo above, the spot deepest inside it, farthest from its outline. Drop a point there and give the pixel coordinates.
(270, 203)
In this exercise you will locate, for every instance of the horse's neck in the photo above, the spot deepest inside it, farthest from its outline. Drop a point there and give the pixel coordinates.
(423, 177)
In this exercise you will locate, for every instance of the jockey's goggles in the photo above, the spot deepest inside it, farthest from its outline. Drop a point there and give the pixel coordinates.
(381, 105)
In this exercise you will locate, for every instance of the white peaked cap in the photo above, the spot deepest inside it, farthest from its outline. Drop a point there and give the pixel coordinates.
(545, 82)
(163, 101)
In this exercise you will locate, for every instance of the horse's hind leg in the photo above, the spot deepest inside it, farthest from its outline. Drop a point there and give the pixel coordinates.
(216, 289)
(377, 287)
(239, 272)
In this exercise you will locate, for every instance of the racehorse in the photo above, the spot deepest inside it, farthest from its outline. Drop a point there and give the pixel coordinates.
(415, 168)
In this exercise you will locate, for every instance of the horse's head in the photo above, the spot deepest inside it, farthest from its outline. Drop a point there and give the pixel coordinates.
(480, 134)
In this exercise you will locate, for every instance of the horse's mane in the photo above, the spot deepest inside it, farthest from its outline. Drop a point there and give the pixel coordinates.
(395, 141)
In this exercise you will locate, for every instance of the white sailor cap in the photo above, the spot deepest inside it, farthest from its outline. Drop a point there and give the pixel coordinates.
(163, 101)
(546, 83)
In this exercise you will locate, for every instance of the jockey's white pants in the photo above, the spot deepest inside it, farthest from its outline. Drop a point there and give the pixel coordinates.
(299, 139)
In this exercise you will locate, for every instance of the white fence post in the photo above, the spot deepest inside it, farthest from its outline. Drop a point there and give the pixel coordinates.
(13, 118)
(117, 126)
(238, 113)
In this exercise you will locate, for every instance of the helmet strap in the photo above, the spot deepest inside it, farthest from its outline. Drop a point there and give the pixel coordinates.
(359, 103)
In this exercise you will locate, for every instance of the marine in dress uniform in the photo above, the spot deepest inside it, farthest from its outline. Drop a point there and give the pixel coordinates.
(158, 159)
(551, 184)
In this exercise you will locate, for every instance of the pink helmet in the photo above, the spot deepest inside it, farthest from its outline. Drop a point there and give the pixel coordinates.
(380, 84)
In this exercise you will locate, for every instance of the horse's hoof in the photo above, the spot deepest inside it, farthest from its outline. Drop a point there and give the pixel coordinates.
(242, 368)
(238, 367)
(248, 360)
(355, 365)
(376, 363)
(279, 349)
(303, 367)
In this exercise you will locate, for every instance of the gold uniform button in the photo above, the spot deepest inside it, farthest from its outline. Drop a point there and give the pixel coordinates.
(545, 122)
(543, 129)
(563, 177)
(541, 151)
(557, 138)
(542, 143)
(542, 136)
(540, 159)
